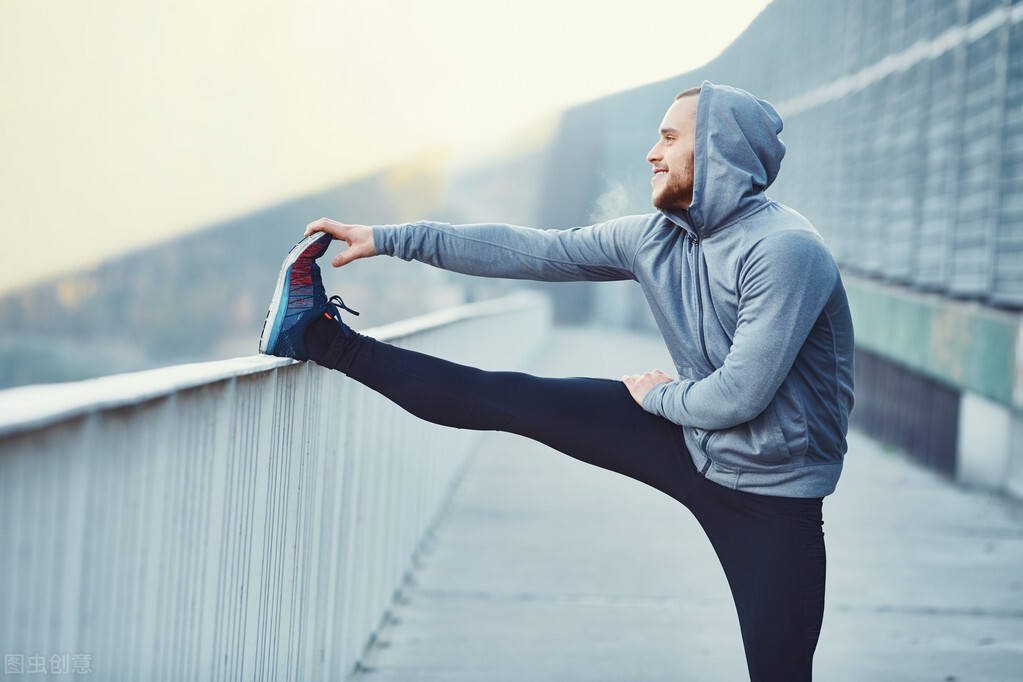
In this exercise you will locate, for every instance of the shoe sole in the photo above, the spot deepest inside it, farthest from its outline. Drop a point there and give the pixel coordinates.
(275, 313)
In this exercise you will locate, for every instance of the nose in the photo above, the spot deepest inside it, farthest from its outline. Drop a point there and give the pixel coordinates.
(654, 154)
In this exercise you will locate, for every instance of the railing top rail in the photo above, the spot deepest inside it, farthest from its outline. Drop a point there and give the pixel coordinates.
(27, 408)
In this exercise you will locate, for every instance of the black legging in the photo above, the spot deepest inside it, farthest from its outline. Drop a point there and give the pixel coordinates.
(771, 548)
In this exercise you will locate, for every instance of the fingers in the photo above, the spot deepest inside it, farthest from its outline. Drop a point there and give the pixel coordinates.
(640, 384)
(634, 377)
(344, 258)
(331, 227)
(357, 249)
(315, 226)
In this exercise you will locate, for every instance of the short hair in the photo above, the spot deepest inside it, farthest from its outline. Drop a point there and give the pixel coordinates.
(687, 92)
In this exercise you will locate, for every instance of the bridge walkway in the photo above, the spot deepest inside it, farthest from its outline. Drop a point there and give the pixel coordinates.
(545, 568)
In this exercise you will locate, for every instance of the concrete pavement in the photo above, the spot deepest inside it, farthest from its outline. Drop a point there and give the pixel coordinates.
(545, 568)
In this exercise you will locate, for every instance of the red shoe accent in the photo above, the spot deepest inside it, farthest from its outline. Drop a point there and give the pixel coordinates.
(300, 276)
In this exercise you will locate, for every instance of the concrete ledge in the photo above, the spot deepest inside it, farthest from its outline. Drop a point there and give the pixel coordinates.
(965, 345)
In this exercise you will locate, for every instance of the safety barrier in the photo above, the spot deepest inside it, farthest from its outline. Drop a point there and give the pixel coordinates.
(244, 519)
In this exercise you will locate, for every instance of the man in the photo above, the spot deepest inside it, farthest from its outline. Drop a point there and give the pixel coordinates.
(751, 435)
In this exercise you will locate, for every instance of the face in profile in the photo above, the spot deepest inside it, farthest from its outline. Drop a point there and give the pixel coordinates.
(672, 157)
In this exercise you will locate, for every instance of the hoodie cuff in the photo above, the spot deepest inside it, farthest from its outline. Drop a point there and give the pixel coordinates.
(652, 400)
(387, 239)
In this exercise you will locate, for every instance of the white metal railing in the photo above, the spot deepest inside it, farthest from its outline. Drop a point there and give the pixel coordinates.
(245, 519)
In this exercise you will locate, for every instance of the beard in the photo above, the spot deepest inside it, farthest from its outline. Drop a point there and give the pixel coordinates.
(675, 193)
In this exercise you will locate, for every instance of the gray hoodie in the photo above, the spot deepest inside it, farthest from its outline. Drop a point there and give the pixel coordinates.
(744, 291)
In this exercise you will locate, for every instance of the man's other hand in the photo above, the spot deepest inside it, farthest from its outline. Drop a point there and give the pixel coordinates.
(640, 384)
(358, 237)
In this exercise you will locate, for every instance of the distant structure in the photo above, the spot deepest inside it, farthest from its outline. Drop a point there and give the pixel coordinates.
(904, 134)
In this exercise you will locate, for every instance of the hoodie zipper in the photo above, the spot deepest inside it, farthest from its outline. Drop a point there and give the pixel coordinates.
(699, 301)
(703, 342)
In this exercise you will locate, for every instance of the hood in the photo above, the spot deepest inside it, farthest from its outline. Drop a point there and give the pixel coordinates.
(737, 155)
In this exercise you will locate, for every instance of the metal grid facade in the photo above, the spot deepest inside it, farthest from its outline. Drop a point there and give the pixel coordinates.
(910, 162)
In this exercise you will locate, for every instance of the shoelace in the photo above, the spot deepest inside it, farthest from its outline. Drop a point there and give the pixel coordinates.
(338, 305)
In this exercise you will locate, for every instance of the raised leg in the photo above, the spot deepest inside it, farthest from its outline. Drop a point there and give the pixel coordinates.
(591, 419)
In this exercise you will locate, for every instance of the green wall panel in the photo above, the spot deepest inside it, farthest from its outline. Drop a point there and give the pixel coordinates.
(965, 345)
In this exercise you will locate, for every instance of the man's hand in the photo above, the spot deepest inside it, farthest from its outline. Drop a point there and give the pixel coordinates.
(358, 237)
(640, 384)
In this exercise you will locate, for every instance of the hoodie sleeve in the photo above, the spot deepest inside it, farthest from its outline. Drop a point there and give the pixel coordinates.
(784, 285)
(600, 252)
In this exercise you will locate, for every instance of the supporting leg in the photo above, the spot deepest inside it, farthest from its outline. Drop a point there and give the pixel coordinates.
(772, 551)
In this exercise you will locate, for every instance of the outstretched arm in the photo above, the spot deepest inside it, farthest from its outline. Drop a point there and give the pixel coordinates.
(783, 287)
(604, 251)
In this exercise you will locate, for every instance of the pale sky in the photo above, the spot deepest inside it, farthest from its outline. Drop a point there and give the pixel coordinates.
(126, 122)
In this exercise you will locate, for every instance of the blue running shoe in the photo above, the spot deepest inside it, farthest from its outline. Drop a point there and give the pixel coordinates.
(298, 297)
